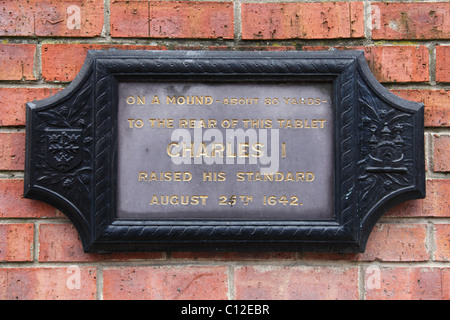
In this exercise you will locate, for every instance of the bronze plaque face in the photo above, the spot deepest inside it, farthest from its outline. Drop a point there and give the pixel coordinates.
(250, 151)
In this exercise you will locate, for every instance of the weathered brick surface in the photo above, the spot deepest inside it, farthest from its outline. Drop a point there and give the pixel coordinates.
(445, 284)
(399, 63)
(392, 63)
(69, 283)
(13, 100)
(3, 283)
(441, 153)
(62, 62)
(414, 283)
(411, 208)
(291, 283)
(129, 18)
(408, 244)
(55, 248)
(16, 242)
(16, 18)
(410, 20)
(172, 19)
(442, 236)
(14, 205)
(51, 18)
(329, 20)
(437, 202)
(12, 151)
(165, 283)
(191, 19)
(437, 104)
(443, 63)
(17, 61)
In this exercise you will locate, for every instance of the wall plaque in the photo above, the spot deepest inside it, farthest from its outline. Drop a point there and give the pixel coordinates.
(154, 150)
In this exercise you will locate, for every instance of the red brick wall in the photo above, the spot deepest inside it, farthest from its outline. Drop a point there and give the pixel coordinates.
(43, 44)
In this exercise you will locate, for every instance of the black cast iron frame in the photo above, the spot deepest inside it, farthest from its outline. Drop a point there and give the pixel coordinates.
(87, 192)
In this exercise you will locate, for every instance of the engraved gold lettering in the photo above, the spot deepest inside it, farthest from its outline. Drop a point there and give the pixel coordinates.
(202, 152)
(242, 150)
(189, 100)
(257, 148)
(155, 100)
(310, 176)
(177, 176)
(217, 150)
(138, 123)
(188, 149)
(142, 176)
(214, 176)
(140, 99)
(177, 200)
(229, 151)
(169, 150)
(171, 100)
(288, 176)
(183, 123)
(131, 100)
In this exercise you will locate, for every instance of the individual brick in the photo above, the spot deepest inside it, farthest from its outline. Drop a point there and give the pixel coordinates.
(443, 63)
(399, 63)
(17, 242)
(165, 283)
(12, 151)
(172, 19)
(70, 283)
(397, 242)
(437, 201)
(398, 283)
(13, 100)
(410, 20)
(3, 283)
(51, 18)
(62, 62)
(129, 18)
(442, 236)
(59, 242)
(445, 273)
(437, 104)
(191, 19)
(328, 20)
(296, 282)
(13, 205)
(411, 208)
(16, 18)
(441, 153)
(17, 61)
(392, 63)
(391, 242)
